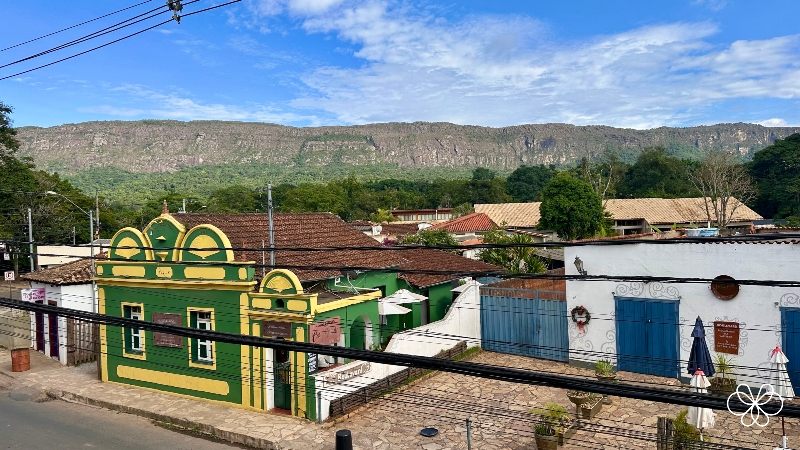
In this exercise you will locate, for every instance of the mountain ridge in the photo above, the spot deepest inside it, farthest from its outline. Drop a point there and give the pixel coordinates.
(158, 146)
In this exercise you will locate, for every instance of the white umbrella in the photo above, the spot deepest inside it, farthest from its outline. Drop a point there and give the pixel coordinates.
(778, 376)
(404, 296)
(387, 309)
(701, 418)
(779, 381)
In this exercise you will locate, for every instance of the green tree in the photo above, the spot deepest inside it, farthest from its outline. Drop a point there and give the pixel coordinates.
(235, 198)
(657, 174)
(382, 216)
(486, 187)
(8, 135)
(525, 184)
(512, 259)
(776, 173)
(571, 208)
(431, 238)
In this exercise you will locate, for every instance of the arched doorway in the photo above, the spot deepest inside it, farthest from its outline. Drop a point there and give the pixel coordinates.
(361, 333)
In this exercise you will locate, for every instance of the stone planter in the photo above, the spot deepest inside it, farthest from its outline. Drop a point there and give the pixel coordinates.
(609, 378)
(722, 386)
(588, 410)
(578, 398)
(546, 442)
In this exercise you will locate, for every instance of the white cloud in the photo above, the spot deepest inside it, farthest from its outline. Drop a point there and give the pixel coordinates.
(498, 70)
(152, 104)
(777, 122)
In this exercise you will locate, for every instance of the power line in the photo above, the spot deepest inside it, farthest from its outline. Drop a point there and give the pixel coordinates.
(117, 40)
(480, 370)
(76, 25)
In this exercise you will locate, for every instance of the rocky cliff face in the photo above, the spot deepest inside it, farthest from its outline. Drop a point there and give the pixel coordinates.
(164, 146)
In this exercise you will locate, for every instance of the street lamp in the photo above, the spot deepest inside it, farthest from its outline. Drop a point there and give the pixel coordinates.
(91, 240)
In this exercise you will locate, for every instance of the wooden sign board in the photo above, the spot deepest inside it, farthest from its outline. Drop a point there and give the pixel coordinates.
(273, 329)
(166, 339)
(726, 337)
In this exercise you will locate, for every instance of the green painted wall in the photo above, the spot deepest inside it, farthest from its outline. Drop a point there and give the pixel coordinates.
(349, 317)
(176, 360)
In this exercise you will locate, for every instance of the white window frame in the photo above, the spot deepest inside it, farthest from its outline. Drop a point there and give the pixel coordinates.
(137, 335)
(204, 323)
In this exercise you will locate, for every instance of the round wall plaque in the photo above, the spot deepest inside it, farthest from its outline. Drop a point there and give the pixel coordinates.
(724, 287)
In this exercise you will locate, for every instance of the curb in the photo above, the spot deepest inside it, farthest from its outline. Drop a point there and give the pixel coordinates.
(200, 429)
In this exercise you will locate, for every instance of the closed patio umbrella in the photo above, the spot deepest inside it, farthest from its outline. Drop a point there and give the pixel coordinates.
(701, 418)
(387, 309)
(780, 383)
(404, 296)
(699, 357)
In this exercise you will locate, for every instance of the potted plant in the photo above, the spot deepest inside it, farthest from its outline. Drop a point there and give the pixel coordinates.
(551, 422)
(589, 408)
(686, 436)
(724, 383)
(604, 370)
(578, 398)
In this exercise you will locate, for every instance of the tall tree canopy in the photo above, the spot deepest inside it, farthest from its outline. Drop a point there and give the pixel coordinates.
(776, 172)
(513, 259)
(571, 208)
(525, 184)
(657, 174)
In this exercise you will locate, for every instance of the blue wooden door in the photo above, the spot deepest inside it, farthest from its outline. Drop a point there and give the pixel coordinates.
(647, 336)
(790, 325)
(525, 326)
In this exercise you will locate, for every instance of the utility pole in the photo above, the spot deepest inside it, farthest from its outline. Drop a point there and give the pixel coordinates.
(183, 210)
(469, 434)
(30, 240)
(271, 228)
(73, 236)
(97, 213)
(94, 263)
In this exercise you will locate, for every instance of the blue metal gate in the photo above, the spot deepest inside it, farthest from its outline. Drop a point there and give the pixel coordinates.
(790, 325)
(647, 336)
(533, 326)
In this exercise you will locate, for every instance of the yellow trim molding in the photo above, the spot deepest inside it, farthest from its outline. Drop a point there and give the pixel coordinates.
(197, 364)
(101, 308)
(209, 285)
(204, 273)
(128, 271)
(349, 301)
(244, 327)
(148, 253)
(143, 354)
(174, 380)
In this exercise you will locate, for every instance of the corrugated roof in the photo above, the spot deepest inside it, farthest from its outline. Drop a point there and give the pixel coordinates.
(656, 211)
(469, 223)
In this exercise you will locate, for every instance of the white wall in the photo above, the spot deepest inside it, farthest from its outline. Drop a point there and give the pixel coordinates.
(78, 296)
(461, 323)
(756, 308)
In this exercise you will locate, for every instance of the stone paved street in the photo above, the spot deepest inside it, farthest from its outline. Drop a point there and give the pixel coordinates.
(499, 410)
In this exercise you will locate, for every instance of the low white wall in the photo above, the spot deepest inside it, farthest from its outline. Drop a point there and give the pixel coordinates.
(461, 323)
(755, 308)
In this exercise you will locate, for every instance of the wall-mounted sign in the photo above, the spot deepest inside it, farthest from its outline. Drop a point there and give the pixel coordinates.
(274, 329)
(166, 339)
(326, 332)
(32, 295)
(350, 371)
(726, 337)
(312, 363)
(7, 256)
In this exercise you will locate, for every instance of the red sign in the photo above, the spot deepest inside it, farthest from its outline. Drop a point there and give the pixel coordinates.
(326, 332)
(726, 337)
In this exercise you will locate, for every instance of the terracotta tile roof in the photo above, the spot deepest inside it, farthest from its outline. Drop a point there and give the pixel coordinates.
(469, 223)
(75, 272)
(523, 215)
(656, 211)
(432, 259)
(311, 230)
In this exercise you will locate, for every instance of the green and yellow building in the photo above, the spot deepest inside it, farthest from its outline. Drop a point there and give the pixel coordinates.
(208, 271)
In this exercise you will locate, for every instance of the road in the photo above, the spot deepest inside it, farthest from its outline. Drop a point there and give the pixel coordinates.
(25, 424)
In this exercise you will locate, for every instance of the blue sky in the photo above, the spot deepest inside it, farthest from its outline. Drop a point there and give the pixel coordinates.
(637, 64)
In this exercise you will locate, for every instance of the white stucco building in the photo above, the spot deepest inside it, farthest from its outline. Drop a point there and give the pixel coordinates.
(646, 327)
(69, 286)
